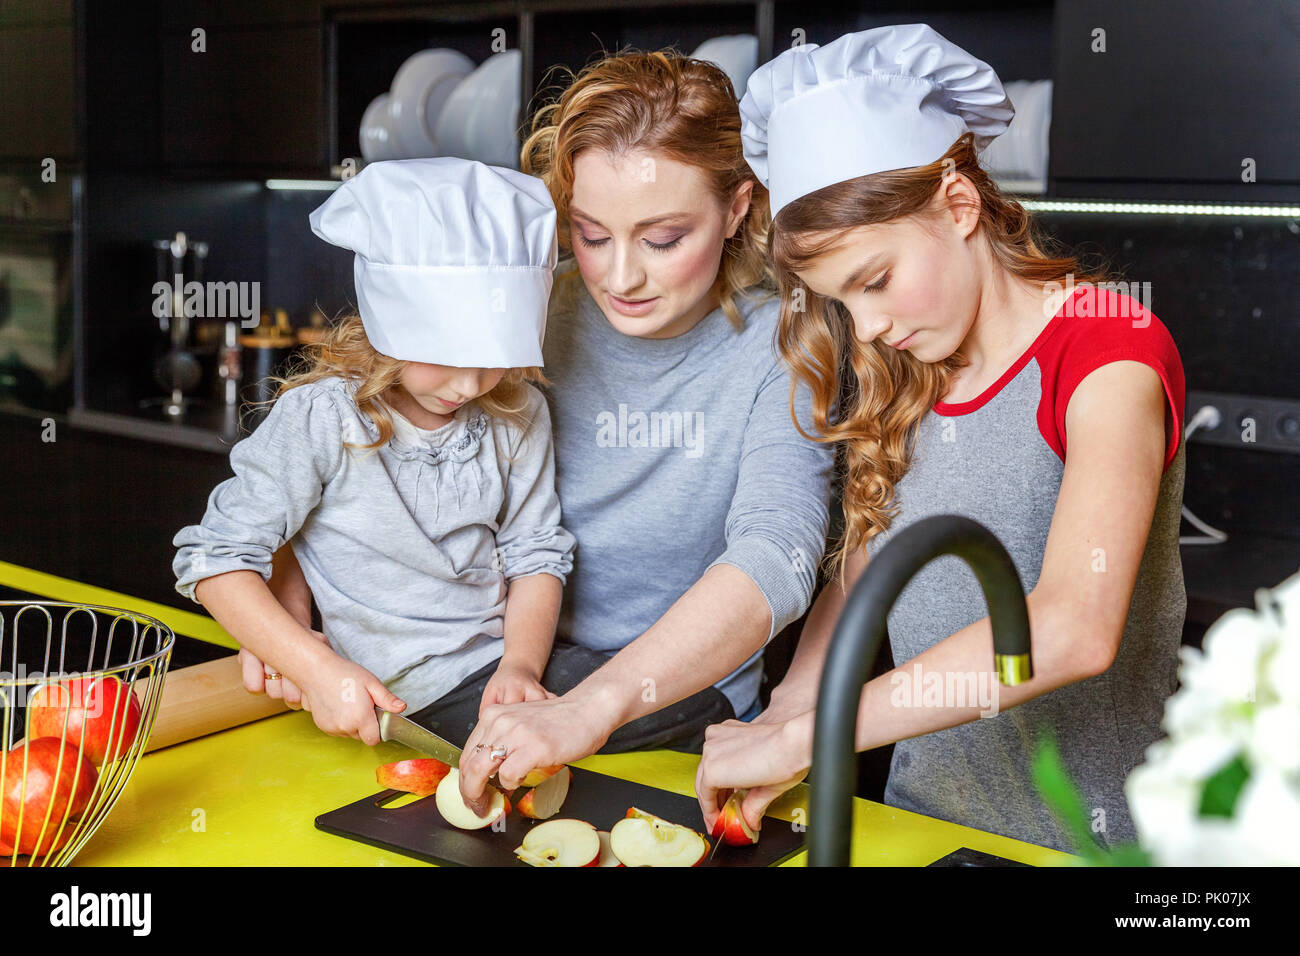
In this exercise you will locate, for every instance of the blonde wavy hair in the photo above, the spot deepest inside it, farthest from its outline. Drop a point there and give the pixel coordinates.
(346, 352)
(663, 102)
(881, 394)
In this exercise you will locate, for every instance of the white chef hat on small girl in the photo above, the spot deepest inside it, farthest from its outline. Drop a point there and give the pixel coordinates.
(454, 259)
(889, 98)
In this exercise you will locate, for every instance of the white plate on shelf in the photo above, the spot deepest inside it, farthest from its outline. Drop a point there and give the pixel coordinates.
(1021, 151)
(480, 118)
(421, 87)
(737, 56)
(378, 138)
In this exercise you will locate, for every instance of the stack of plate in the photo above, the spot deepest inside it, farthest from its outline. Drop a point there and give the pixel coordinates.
(440, 104)
(736, 55)
(1020, 154)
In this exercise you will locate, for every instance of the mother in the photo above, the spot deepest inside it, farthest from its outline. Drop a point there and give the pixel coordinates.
(700, 511)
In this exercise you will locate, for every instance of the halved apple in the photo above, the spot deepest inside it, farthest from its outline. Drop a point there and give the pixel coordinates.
(731, 825)
(420, 776)
(643, 839)
(561, 843)
(607, 857)
(453, 809)
(544, 800)
(535, 777)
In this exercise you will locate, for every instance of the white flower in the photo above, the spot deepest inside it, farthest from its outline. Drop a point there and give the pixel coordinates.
(1239, 698)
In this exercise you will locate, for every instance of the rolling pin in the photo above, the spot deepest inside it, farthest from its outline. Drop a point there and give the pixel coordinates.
(205, 698)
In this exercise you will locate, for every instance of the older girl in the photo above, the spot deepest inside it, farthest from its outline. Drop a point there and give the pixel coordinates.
(986, 379)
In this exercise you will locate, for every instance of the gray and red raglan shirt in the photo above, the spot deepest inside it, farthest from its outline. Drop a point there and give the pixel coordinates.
(999, 459)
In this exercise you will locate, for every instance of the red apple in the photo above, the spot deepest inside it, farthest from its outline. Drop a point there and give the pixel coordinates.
(545, 799)
(68, 830)
(535, 777)
(731, 825)
(46, 788)
(101, 710)
(561, 843)
(643, 839)
(420, 776)
(453, 809)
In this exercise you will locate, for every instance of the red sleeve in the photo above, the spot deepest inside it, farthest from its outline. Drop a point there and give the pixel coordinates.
(1097, 326)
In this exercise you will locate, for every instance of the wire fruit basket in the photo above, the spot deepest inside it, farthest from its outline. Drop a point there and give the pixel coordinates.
(79, 690)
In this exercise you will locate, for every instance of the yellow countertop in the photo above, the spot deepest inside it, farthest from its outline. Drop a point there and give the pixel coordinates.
(249, 796)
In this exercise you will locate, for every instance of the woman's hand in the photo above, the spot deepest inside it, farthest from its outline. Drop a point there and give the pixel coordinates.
(535, 733)
(256, 681)
(289, 586)
(767, 759)
(512, 684)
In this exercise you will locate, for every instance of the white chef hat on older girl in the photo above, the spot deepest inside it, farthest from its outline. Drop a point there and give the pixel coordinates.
(454, 259)
(889, 98)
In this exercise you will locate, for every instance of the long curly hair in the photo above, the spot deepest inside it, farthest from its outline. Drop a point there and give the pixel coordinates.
(870, 398)
(665, 102)
(346, 352)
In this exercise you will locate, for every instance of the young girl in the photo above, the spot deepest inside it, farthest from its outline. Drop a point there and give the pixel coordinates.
(410, 465)
(986, 379)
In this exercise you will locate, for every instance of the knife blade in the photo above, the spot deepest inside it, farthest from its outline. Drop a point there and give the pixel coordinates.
(406, 731)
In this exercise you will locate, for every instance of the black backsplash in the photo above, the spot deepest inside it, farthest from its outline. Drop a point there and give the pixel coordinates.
(1224, 286)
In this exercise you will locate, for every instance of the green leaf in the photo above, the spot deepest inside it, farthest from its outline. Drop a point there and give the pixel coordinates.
(1222, 790)
(1063, 798)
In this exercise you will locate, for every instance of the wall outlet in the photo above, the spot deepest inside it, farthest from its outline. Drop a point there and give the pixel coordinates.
(1248, 421)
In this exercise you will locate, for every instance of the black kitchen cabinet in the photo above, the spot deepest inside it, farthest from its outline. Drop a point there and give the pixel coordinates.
(100, 508)
(38, 102)
(1183, 95)
(252, 100)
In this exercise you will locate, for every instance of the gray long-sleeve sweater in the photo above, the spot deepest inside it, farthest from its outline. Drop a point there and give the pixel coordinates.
(674, 455)
(408, 549)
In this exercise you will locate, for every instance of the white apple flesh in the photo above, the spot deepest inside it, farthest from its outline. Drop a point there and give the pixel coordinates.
(561, 843)
(643, 839)
(607, 857)
(544, 800)
(454, 810)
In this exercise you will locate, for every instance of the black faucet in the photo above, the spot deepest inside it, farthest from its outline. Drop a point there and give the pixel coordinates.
(857, 638)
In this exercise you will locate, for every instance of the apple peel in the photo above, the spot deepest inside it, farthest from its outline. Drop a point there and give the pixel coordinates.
(731, 824)
(420, 776)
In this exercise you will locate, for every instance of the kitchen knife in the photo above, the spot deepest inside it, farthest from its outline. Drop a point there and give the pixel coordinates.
(406, 731)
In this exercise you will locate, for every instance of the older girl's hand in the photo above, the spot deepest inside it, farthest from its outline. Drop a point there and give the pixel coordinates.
(766, 759)
(256, 681)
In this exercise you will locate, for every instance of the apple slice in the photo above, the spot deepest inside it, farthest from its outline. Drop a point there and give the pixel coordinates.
(731, 825)
(561, 843)
(544, 800)
(453, 809)
(535, 777)
(420, 776)
(607, 857)
(643, 839)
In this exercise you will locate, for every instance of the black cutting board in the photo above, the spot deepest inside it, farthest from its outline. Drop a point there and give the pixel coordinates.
(418, 829)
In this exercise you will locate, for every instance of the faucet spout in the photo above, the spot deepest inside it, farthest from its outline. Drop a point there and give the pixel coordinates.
(857, 639)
